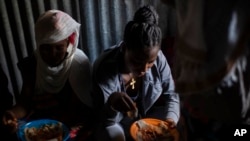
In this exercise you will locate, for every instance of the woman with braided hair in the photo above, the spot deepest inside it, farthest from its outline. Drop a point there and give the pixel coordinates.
(134, 76)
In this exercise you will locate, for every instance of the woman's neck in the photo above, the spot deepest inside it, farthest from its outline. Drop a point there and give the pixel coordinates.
(125, 72)
(123, 67)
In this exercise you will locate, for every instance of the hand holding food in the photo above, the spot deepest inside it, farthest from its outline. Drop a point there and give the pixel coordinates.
(121, 102)
(10, 121)
(170, 123)
(133, 113)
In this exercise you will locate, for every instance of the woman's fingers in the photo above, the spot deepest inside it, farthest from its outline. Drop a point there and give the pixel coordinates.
(122, 102)
(9, 115)
(130, 103)
(171, 123)
(10, 121)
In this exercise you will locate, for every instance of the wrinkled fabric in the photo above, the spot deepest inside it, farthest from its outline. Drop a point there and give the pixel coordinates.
(211, 68)
(211, 37)
(157, 85)
(157, 82)
(51, 27)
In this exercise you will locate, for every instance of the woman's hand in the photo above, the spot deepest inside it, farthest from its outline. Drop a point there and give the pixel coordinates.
(10, 121)
(121, 102)
(171, 123)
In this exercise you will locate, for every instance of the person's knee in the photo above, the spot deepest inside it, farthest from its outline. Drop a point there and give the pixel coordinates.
(115, 132)
(110, 133)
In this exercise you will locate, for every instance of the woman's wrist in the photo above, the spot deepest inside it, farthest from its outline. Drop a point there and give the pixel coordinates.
(171, 122)
(110, 111)
(112, 108)
(19, 111)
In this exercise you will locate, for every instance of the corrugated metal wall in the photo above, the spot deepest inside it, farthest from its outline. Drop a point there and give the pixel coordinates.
(102, 23)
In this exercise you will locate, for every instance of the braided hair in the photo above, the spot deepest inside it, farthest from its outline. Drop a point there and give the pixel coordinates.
(143, 31)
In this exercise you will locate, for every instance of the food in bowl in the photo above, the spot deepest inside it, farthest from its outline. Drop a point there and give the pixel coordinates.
(151, 132)
(46, 132)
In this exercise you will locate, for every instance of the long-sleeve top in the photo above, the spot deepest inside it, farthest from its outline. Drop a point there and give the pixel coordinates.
(156, 83)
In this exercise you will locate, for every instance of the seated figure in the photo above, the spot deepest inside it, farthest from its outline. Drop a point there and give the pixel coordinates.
(56, 78)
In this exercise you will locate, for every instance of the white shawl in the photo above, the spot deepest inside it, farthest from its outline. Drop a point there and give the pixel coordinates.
(51, 27)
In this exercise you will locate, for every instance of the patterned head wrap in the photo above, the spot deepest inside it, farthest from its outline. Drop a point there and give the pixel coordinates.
(51, 27)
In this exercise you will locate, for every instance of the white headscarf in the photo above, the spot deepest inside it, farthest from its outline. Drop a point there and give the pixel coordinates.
(51, 27)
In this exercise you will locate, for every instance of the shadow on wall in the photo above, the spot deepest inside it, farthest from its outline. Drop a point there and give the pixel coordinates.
(6, 98)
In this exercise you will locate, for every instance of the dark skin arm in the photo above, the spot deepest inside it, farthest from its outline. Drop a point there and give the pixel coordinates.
(21, 109)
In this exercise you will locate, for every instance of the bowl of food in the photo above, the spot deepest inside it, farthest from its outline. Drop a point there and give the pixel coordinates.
(43, 130)
(150, 129)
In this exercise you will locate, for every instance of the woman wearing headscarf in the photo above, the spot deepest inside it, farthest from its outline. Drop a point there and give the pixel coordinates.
(56, 80)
